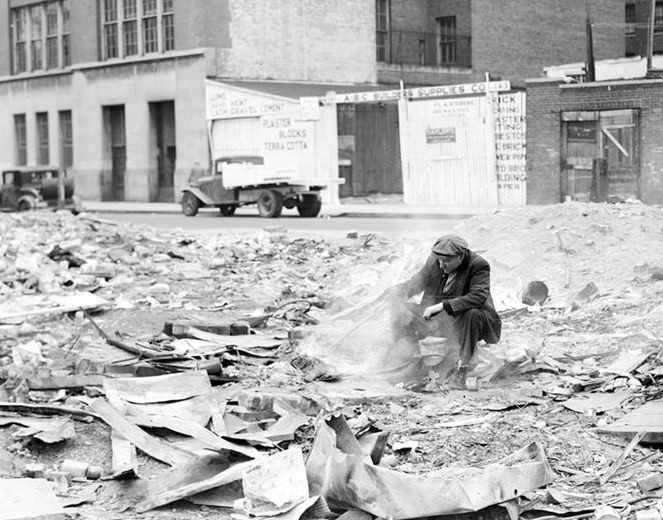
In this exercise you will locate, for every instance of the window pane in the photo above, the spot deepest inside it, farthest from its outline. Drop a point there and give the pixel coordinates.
(110, 40)
(21, 61)
(52, 52)
(20, 23)
(168, 32)
(66, 139)
(20, 137)
(42, 138)
(51, 19)
(36, 48)
(35, 18)
(149, 7)
(66, 52)
(129, 9)
(130, 38)
(167, 6)
(150, 37)
(66, 25)
(110, 10)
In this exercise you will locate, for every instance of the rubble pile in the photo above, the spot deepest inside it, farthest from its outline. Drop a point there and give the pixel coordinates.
(157, 375)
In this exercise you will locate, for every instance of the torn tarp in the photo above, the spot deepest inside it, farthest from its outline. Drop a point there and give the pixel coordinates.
(339, 471)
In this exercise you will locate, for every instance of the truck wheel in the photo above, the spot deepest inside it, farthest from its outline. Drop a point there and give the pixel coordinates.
(309, 206)
(189, 204)
(227, 210)
(270, 203)
(26, 204)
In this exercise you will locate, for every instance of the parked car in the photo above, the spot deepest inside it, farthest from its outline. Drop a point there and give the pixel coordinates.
(240, 180)
(26, 188)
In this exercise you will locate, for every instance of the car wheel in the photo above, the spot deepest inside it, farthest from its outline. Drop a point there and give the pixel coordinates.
(270, 203)
(189, 204)
(227, 210)
(26, 204)
(309, 206)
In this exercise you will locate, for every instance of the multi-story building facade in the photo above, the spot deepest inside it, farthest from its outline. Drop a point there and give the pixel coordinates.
(114, 90)
(637, 15)
(510, 39)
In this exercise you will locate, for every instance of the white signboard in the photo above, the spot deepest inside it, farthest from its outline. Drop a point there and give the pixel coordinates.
(462, 89)
(226, 102)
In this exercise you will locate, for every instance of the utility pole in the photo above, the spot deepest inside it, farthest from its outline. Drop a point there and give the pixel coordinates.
(590, 68)
(650, 34)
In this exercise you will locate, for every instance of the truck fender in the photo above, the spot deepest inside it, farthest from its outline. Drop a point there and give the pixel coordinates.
(202, 197)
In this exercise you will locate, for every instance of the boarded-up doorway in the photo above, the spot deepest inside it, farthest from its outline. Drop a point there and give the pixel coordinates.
(600, 157)
(369, 149)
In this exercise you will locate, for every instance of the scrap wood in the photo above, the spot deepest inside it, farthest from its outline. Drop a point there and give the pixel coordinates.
(620, 460)
(45, 409)
(647, 418)
(58, 382)
(178, 483)
(124, 461)
(336, 460)
(149, 444)
(22, 504)
(132, 349)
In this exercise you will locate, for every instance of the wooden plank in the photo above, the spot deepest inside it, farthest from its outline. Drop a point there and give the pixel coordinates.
(614, 467)
(58, 382)
(648, 418)
(124, 460)
(148, 444)
(45, 409)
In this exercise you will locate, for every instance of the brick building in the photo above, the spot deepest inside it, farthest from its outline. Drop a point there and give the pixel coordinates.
(637, 15)
(114, 90)
(591, 141)
(510, 39)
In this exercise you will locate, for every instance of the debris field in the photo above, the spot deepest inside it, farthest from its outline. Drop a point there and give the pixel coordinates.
(150, 374)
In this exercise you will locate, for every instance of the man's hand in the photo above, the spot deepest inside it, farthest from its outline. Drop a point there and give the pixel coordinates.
(432, 310)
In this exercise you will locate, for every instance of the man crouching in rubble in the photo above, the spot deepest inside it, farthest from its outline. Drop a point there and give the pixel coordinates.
(456, 302)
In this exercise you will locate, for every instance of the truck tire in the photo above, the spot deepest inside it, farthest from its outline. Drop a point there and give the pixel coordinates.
(26, 204)
(189, 204)
(309, 206)
(227, 210)
(270, 203)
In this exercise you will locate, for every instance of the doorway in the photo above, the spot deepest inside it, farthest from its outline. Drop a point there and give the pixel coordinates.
(600, 155)
(163, 149)
(113, 183)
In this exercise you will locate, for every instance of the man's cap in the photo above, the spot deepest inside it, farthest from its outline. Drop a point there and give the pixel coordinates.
(450, 245)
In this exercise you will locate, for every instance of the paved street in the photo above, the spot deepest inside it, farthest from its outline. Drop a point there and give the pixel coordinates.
(211, 222)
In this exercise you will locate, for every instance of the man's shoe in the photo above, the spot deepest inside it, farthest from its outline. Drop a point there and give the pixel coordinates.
(457, 379)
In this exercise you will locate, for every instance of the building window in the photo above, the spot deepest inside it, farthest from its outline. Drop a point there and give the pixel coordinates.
(381, 29)
(110, 29)
(658, 17)
(66, 34)
(36, 37)
(52, 44)
(20, 36)
(629, 18)
(40, 36)
(446, 27)
(66, 139)
(137, 27)
(20, 140)
(42, 138)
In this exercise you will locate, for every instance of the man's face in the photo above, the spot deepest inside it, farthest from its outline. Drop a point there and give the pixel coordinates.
(449, 263)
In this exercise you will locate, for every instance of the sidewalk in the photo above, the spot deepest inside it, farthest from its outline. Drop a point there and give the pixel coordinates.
(354, 209)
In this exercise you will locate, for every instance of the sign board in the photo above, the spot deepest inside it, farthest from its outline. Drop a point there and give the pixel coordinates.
(227, 102)
(462, 89)
(309, 108)
(511, 148)
(441, 135)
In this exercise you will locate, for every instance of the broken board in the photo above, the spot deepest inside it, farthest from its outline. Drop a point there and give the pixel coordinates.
(648, 418)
